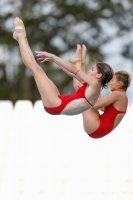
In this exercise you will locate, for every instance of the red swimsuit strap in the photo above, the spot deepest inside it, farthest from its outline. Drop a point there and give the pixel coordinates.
(85, 84)
(118, 111)
(88, 102)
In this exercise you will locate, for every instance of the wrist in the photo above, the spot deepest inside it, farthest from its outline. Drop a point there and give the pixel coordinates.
(54, 58)
(77, 72)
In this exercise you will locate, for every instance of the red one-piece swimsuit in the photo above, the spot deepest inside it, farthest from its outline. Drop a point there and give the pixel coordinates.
(71, 104)
(107, 120)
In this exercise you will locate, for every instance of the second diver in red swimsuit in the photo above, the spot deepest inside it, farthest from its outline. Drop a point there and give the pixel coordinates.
(114, 105)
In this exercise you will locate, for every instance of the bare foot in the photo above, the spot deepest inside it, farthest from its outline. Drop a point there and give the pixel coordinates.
(78, 55)
(22, 24)
(19, 30)
(84, 52)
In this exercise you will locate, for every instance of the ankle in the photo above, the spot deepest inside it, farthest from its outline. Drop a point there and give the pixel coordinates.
(20, 36)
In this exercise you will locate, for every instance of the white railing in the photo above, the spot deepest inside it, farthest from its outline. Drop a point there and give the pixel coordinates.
(51, 157)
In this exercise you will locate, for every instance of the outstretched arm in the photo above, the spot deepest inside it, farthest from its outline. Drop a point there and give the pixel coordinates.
(73, 71)
(45, 56)
(76, 60)
(67, 67)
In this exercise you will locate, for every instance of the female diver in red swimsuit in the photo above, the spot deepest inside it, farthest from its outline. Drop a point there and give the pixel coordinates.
(114, 105)
(54, 103)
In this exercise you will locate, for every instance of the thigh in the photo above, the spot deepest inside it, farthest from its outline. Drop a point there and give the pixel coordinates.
(91, 120)
(47, 89)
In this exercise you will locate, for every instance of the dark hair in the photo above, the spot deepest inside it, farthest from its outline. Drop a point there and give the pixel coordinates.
(107, 73)
(124, 77)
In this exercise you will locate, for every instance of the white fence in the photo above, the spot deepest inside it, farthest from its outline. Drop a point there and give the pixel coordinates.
(52, 158)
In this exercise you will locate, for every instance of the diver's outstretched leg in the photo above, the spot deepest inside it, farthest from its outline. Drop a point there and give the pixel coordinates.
(79, 60)
(83, 60)
(48, 91)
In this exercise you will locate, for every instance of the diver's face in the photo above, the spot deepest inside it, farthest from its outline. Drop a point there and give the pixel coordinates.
(93, 71)
(114, 83)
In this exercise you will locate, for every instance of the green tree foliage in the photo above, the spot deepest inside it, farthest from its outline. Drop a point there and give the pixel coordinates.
(57, 26)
